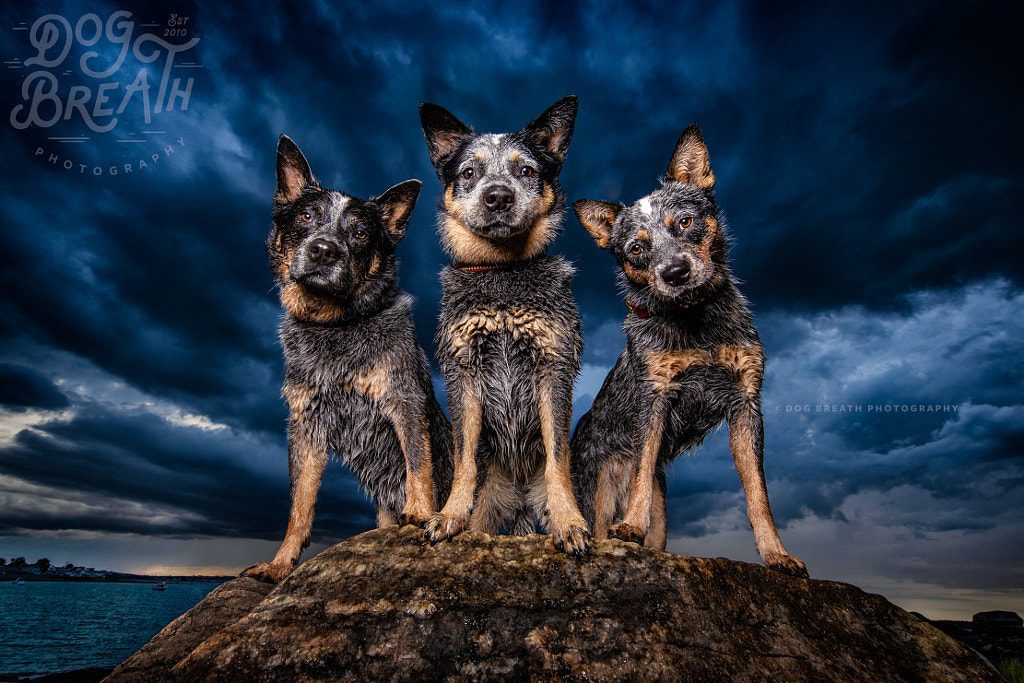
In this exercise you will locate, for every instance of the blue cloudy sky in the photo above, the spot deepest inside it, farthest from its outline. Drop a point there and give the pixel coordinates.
(868, 161)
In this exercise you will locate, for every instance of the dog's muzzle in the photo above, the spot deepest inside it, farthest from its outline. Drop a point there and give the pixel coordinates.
(683, 272)
(318, 267)
(496, 216)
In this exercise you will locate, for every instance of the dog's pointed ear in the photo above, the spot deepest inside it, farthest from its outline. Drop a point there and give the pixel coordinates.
(690, 161)
(396, 205)
(293, 174)
(553, 129)
(443, 130)
(598, 218)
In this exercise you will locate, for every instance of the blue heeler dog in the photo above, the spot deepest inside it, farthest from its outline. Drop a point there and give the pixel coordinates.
(693, 359)
(509, 332)
(357, 382)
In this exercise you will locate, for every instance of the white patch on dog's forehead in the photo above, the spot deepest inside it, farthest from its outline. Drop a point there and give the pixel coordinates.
(645, 206)
(338, 204)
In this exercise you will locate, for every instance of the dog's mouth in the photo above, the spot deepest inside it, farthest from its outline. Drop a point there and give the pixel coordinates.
(499, 232)
(320, 283)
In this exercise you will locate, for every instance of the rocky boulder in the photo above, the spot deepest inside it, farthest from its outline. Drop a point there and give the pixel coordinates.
(385, 605)
(225, 605)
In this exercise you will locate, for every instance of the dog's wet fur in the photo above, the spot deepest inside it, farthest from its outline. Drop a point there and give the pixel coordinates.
(356, 382)
(693, 359)
(508, 340)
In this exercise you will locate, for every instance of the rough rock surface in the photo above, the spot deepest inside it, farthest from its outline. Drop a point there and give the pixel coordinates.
(386, 606)
(225, 605)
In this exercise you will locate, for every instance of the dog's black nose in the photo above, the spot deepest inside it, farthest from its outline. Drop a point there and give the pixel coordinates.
(499, 198)
(676, 274)
(323, 252)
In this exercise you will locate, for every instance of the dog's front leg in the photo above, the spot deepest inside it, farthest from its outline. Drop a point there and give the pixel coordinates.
(746, 440)
(414, 437)
(637, 520)
(566, 524)
(305, 468)
(466, 424)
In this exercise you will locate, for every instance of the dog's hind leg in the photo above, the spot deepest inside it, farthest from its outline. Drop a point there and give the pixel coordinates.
(385, 517)
(610, 494)
(657, 533)
(496, 501)
(466, 423)
(564, 521)
(523, 522)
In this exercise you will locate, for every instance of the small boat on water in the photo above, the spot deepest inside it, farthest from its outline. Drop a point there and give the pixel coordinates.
(19, 581)
(160, 586)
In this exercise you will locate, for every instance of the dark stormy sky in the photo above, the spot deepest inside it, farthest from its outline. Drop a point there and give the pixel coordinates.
(868, 158)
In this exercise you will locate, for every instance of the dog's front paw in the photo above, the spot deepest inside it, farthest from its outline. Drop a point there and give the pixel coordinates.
(442, 526)
(408, 519)
(626, 532)
(417, 511)
(267, 573)
(573, 540)
(786, 564)
(414, 517)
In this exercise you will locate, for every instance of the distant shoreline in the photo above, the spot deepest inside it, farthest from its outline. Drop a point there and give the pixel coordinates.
(111, 577)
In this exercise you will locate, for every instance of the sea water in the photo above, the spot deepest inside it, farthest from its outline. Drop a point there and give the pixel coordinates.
(50, 626)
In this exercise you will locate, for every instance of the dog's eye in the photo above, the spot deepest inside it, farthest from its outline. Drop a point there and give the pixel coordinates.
(361, 235)
(636, 250)
(468, 173)
(527, 172)
(685, 222)
(305, 216)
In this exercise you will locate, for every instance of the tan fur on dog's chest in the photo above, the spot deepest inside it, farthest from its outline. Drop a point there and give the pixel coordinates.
(371, 382)
(520, 323)
(664, 367)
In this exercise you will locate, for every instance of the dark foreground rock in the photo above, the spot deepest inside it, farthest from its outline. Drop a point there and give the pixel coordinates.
(386, 606)
(225, 605)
